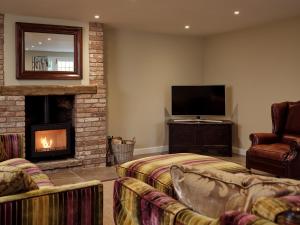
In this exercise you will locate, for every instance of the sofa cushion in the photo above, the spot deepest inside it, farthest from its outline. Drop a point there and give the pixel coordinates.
(155, 170)
(292, 125)
(212, 192)
(40, 178)
(13, 180)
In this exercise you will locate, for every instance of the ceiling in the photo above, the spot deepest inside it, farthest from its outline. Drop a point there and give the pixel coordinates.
(164, 16)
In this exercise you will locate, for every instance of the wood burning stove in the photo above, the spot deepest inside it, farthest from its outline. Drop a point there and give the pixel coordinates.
(50, 141)
(48, 135)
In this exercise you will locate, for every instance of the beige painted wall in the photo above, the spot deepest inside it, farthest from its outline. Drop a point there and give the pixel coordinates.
(261, 66)
(10, 56)
(140, 68)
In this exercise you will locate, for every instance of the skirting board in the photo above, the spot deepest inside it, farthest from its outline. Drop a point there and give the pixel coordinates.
(151, 150)
(164, 149)
(238, 151)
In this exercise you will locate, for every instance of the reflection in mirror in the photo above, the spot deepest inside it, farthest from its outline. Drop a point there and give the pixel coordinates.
(49, 52)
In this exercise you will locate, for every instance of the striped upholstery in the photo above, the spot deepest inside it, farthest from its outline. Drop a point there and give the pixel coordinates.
(189, 217)
(40, 178)
(76, 204)
(269, 208)
(240, 218)
(138, 203)
(11, 146)
(155, 170)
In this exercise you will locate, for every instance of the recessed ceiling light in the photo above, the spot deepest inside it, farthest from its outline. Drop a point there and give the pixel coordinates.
(49, 39)
(40, 43)
(187, 27)
(32, 46)
(97, 17)
(236, 12)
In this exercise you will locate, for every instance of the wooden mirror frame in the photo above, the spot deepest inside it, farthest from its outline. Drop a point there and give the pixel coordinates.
(23, 74)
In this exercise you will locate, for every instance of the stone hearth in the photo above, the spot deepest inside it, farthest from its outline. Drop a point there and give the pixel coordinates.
(89, 105)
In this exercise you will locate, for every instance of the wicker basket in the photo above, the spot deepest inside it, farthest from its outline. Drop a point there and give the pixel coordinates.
(123, 152)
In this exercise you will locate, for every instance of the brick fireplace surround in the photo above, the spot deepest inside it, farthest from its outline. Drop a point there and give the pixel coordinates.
(89, 106)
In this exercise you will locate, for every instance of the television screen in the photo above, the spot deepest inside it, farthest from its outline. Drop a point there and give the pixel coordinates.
(198, 100)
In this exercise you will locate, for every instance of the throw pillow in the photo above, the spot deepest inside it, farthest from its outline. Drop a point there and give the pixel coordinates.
(212, 192)
(13, 180)
(292, 125)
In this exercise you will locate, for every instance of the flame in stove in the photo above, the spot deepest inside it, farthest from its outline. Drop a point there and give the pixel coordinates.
(45, 142)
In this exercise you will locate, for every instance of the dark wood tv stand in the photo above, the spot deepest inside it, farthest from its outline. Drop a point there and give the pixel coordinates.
(200, 137)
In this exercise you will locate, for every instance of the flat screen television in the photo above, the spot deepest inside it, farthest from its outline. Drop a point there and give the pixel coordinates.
(198, 100)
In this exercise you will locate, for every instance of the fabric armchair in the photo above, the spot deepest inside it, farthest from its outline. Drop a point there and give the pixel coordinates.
(75, 204)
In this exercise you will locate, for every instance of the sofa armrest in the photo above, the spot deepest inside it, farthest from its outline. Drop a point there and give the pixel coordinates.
(188, 217)
(271, 207)
(263, 138)
(80, 204)
(136, 202)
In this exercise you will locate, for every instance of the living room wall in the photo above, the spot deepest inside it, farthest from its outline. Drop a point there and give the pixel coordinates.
(140, 68)
(261, 66)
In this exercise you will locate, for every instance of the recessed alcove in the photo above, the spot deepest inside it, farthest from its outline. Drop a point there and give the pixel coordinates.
(49, 127)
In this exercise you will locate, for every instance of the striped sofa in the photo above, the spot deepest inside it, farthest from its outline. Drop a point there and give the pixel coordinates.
(75, 204)
(143, 195)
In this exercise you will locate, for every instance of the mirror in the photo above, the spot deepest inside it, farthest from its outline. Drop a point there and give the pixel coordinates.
(48, 51)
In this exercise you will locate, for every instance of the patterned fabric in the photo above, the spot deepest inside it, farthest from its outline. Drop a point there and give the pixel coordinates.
(136, 203)
(212, 192)
(76, 204)
(189, 217)
(13, 181)
(155, 170)
(11, 146)
(270, 208)
(239, 218)
(40, 178)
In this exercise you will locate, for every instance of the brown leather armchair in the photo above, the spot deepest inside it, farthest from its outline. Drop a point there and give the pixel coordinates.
(278, 152)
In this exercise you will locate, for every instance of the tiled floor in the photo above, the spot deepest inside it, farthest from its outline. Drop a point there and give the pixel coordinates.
(73, 176)
(107, 173)
(107, 176)
(79, 175)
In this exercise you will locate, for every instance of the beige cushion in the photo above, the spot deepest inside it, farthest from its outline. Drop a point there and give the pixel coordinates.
(13, 181)
(212, 192)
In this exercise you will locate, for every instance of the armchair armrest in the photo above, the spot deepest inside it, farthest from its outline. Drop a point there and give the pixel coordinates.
(295, 144)
(79, 204)
(263, 138)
